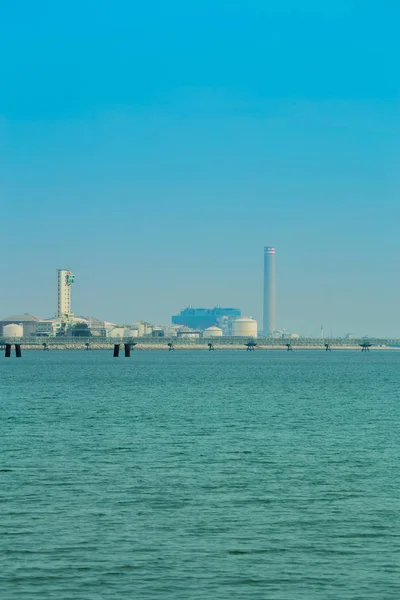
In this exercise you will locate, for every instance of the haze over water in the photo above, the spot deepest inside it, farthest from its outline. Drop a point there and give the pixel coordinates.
(196, 475)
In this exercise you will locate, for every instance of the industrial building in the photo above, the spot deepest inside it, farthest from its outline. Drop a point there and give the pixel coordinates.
(48, 327)
(27, 322)
(202, 318)
(189, 334)
(65, 279)
(269, 308)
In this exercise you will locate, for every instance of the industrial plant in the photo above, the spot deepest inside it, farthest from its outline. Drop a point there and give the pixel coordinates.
(202, 318)
(189, 323)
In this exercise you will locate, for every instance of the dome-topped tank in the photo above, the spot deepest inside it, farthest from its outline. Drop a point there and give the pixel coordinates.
(13, 330)
(213, 332)
(244, 327)
(25, 318)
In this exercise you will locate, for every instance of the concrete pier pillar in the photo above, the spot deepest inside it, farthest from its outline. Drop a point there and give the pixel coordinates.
(116, 350)
(18, 352)
(8, 351)
(127, 350)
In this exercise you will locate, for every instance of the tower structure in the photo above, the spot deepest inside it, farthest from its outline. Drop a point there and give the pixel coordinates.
(64, 281)
(269, 312)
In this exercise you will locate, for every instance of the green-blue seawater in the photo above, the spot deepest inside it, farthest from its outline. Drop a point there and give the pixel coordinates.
(200, 475)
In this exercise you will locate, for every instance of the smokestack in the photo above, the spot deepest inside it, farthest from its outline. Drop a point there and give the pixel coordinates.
(269, 316)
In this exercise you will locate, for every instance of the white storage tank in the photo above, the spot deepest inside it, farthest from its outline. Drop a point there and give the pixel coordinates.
(13, 330)
(116, 332)
(132, 332)
(244, 327)
(213, 332)
(140, 327)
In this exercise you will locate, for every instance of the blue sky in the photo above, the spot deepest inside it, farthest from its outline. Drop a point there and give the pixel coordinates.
(156, 147)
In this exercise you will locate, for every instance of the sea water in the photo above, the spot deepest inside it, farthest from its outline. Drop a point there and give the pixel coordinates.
(200, 475)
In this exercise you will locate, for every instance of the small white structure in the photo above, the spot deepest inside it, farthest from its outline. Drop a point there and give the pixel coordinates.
(172, 331)
(189, 334)
(158, 331)
(244, 327)
(13, 330)
(213, 332)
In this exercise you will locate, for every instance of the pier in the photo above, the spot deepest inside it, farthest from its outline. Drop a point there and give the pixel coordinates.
(170, 344)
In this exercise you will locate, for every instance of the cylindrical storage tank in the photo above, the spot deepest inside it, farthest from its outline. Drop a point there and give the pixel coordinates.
(140, 327)
(244, 327)
(13, 330)
(213, 332)
(132, 333)
(117, 332)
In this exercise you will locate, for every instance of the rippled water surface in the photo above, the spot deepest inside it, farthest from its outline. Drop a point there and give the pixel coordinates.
(197, 475)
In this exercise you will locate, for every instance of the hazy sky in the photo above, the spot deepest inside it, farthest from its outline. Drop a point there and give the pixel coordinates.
(156, 147)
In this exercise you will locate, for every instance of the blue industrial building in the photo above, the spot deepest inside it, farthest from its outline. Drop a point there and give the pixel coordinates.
(202, 318)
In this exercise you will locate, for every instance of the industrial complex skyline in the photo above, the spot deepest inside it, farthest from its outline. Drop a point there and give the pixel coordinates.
(215, 320)
(189, 317)
(262, 303)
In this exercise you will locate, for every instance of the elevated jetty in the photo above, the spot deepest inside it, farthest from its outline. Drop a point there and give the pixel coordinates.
(168, 344)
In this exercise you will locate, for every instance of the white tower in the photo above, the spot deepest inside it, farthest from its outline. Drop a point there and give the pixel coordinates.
(269, 316)
(64, 281)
